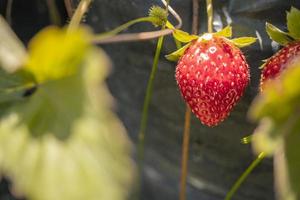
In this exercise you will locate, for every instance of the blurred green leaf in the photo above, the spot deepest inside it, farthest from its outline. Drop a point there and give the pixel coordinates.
(64, 142)
(56, 53)
(277, 35)
(277, 109)
(293, 25)
(177, 54)
(243, 41)
(225, 32)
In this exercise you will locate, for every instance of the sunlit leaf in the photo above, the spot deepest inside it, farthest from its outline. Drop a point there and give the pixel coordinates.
(12, 52)
(184, 36)
(177, 54)
(243, 41)
(277, 35)
(293, 19)
(225, 32)
(64, 142)
(54, 47)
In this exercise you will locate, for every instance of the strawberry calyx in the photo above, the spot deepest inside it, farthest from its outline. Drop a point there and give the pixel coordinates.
(293, 29)
(283, 38)
(185, 37)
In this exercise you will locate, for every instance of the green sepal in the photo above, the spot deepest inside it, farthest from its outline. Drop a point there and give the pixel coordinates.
(278, 35)
(243, 41)
(177, 54)
(293, 25)
(225, 32)
(183, 37)
(169, 25)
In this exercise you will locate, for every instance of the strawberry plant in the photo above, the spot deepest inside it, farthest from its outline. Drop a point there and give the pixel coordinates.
(60, 137)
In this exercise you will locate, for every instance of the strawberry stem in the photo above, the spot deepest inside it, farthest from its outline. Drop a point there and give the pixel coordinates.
(187, 122)
(8, 11)
(245, 174)
(209, 10)
(144, 120)
(185, 152)
(117, 30)
(69, 7)
(79, 12)
(53, 12)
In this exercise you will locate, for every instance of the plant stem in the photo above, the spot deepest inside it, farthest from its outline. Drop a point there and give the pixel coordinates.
(8, 11)
(69, 7)
(185, 153)
(187, 123)
(209, 9)
(149, 90)
(129, 37)
(79, 12)
(117, 30)
(245, 174)
(53, 12)
(144, 120)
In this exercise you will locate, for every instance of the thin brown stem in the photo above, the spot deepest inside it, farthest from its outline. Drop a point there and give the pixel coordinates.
(185, 153)
(195, 25)
(143, 35)
(130, 37)
(8, 11)
(187, 123)
(53, 12)
(69, 7)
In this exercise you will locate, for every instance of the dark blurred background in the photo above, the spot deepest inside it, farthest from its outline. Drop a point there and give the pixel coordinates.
(217, 157)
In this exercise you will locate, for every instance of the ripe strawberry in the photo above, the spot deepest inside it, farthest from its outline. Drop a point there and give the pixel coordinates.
(278, 62)
(212, 75)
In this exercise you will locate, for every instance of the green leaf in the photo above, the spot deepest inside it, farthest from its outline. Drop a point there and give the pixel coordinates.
(64, 142)
(277, 109)
(293, 25)
(277, 35)
(12, 52)
(225, 32)
(184, 36)
(56, 53)
(177, 54)
(243, 41)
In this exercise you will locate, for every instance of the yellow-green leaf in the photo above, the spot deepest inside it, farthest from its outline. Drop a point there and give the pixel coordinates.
(225, 32)
(184, 36)
(177, 54)
(243, 41)
(277, 35)
(293, 25)
(64, 142)
(56, 53)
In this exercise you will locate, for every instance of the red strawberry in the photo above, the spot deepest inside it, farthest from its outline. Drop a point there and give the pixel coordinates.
(212, 75)
(278, 62)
